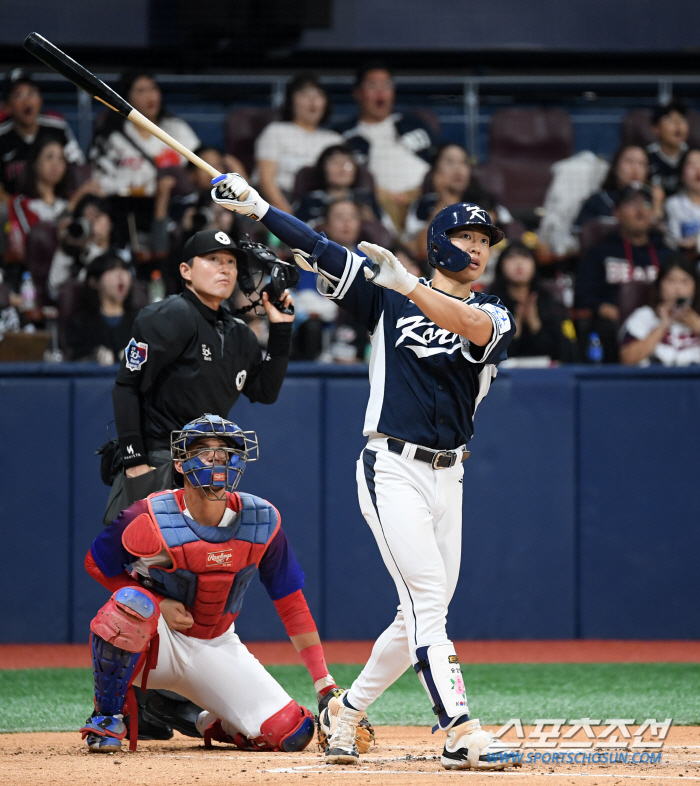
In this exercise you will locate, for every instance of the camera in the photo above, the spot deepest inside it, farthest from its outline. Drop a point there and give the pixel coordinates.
(255, 263)
(79, 229)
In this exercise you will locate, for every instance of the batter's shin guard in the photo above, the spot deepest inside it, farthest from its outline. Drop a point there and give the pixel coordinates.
(439, 671)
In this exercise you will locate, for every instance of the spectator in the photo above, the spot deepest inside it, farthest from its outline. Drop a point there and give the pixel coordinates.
(127, 159)
(396, 148)
(669, 332)
(629, 164)
(538, 318)
(102, 324)
(86, 235)
(683, 208)
(670, 128)
(621, 269)
(44, 197)
(450, 180)
(336, 177)
(285, 147)
(343, 223)
(27, 127)
(34, 215)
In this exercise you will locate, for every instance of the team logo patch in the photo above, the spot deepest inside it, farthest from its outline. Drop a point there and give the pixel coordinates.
(206, 352)
(240, 379)
(135, 354)
(219, 559)
(223, 238)
(453, 659)
(499, 314)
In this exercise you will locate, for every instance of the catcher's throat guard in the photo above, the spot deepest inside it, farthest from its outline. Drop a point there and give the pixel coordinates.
(215, 469)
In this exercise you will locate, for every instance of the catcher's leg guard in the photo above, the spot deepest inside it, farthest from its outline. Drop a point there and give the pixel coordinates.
(290, 729)
(439, 671)
(121, 631)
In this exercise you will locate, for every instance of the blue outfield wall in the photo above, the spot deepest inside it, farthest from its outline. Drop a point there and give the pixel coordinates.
(581, 504)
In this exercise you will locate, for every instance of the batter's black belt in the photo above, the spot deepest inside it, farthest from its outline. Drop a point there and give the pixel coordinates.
(438, 459)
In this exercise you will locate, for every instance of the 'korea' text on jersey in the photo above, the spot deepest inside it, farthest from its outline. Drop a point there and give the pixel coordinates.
(425, 381)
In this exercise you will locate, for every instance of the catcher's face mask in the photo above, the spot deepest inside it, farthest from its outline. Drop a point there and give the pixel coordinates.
(213, 453)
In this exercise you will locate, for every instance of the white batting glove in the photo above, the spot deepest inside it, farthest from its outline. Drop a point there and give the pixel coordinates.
(386, 270)
(233, 192)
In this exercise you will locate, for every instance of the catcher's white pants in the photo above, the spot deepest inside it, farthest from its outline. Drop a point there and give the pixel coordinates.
(415, 514)
(219, 675)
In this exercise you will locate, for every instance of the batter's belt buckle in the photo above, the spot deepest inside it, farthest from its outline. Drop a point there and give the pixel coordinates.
(444, 459)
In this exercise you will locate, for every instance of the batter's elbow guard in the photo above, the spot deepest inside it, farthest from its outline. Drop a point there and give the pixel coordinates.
(290, 729)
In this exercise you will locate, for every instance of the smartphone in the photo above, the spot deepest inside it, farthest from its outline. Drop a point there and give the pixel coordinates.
(682, 302)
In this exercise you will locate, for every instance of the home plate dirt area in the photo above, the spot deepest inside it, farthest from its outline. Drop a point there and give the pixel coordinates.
(402, 755)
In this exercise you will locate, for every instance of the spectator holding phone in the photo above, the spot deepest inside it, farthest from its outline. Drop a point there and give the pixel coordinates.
(683, 208)
(667, 333)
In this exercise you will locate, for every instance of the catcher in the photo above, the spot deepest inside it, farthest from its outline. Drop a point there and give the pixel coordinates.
(178, 564)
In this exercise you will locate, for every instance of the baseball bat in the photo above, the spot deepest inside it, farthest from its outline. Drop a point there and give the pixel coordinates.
(59, 61)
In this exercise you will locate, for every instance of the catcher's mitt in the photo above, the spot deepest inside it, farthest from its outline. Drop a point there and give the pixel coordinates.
(364, 734)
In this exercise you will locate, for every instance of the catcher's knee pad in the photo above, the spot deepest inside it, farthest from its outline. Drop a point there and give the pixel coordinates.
(121, 631)
(129, 619)
(438, 668)
(290, 729)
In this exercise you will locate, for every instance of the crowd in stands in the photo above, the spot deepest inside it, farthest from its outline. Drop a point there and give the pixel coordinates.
(605, 272)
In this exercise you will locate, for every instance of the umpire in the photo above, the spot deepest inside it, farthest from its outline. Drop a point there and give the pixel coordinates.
(188, 356)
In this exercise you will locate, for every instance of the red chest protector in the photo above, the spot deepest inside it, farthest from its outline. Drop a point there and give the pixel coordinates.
(212, 566)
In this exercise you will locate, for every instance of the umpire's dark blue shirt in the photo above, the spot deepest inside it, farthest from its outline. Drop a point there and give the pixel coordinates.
(425, 381)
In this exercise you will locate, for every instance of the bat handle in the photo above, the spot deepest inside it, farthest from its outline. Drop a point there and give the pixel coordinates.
(141, 120)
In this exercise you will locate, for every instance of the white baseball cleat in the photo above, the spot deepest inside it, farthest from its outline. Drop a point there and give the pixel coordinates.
(469, 747)
(340, 725)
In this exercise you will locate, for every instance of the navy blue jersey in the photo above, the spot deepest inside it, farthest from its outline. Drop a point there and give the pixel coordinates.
(425, 381)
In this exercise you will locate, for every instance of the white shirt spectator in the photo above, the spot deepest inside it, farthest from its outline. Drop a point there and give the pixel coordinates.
(126, 164)
(682, 219)
(394, 166)
(679, 347)
(292, 147)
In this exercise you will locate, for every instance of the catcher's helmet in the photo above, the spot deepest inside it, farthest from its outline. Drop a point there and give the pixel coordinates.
(442, 253)
(239, 447)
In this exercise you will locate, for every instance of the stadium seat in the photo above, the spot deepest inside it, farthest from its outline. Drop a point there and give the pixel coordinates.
(242, 127)
(523, 145)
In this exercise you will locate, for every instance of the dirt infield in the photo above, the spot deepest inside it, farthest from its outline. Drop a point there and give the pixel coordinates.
(37, 656)
(402, 755)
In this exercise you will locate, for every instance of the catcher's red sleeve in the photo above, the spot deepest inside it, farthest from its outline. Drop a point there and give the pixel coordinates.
(294, 613)
(114, 583)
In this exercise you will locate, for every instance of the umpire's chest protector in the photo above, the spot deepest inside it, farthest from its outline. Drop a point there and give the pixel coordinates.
(212, 566)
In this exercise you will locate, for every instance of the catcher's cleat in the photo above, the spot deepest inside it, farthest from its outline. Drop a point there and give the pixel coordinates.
(178, 714)
(104, 733)
(339, 723)
(469, 747)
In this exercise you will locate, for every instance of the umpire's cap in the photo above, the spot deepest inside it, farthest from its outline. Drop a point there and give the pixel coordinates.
(209, 240)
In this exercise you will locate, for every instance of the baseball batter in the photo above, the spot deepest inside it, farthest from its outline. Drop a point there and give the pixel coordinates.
(179, 563)
(435, 347)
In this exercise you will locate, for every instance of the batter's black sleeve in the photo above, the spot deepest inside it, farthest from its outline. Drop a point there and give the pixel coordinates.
(166, 329)
(265, 378)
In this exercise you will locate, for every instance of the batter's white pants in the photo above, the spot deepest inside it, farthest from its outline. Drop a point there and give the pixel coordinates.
(219, 675)
(415, 514)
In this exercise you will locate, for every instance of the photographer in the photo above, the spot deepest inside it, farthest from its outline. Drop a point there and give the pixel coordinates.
(86, 235)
